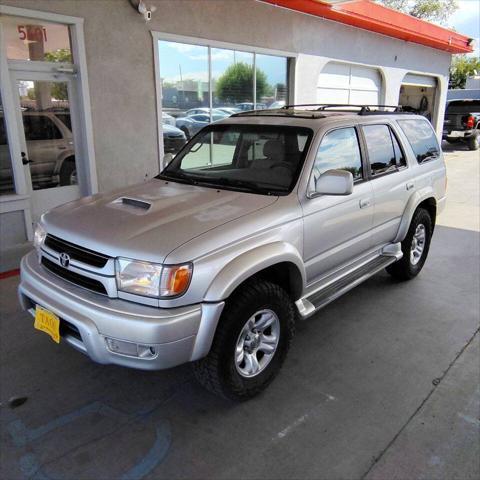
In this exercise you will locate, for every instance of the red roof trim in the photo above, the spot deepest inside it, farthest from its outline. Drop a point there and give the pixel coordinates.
(377, 18)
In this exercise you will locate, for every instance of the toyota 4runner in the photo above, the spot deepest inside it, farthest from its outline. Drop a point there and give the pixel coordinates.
(260, 220)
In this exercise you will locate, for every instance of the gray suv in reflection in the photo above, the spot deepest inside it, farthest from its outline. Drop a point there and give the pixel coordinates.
(260, 220)
(51, 154)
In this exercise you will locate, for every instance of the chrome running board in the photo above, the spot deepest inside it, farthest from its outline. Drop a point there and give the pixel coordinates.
(331, 290)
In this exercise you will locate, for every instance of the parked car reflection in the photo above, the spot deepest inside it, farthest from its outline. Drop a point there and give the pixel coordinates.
(205, 111)
(194, 123)
(173, 138)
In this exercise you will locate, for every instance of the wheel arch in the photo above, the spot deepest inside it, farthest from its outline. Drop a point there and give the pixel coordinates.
(427, 201)
(279, 263)
(67, 156)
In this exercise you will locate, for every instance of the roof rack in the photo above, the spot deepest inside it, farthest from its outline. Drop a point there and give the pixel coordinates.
(343, 107)
(277, 112)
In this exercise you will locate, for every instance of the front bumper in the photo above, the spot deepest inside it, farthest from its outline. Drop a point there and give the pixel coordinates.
(176, 335)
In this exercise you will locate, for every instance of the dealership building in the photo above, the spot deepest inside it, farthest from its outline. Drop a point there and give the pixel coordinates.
(92, 92)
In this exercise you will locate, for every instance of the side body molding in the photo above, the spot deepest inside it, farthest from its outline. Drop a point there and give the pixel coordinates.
(251, 262)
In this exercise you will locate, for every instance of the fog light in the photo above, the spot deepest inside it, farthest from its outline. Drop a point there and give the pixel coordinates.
(130, 349)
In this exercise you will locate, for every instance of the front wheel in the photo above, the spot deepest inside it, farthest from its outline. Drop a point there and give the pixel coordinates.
(251, 342)
(415, 247)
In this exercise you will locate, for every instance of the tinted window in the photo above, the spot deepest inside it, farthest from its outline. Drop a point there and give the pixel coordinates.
(463, 106)
(339, 150)
(399, 156)
(200, 118)
(40, 127)
(384, 152)
(65, 119)
(422, 139)
(3, 133)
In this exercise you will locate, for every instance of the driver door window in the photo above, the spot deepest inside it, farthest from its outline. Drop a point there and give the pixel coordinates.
(339, 150)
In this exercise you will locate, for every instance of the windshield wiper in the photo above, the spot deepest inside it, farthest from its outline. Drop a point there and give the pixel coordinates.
(212, 181)
(249, 185)
(178, 176)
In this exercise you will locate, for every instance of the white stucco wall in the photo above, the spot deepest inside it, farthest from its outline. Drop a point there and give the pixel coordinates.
(121, 73)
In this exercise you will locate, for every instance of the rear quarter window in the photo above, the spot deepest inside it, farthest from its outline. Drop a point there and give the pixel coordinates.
(463, 106)
(422, 139)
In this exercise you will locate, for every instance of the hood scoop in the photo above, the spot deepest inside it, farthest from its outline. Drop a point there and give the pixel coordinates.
(135, 205)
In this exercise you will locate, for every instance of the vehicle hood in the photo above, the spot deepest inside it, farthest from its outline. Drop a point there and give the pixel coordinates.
(149, 220)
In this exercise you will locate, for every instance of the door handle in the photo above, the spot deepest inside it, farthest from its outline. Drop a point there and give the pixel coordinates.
(365, 202)
(25, 160)
(410, 185)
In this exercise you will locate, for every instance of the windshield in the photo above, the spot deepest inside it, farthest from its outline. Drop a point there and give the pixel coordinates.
(264, 159)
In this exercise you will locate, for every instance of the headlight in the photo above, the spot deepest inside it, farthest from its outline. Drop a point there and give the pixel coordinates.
(39, 237)
(152, 279)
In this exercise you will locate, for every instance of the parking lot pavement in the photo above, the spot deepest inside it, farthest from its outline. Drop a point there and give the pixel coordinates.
(381, 384)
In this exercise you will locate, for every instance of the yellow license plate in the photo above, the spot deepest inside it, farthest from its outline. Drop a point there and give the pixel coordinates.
(47, 322)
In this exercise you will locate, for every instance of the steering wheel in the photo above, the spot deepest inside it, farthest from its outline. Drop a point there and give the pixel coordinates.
(282, 164)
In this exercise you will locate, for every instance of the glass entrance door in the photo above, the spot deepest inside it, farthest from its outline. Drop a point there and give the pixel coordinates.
(48, 126)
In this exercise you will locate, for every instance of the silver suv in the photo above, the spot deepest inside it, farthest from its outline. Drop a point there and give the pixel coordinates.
(260, 220)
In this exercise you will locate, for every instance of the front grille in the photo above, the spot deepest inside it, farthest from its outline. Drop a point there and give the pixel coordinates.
(81, 254)
(73, 277)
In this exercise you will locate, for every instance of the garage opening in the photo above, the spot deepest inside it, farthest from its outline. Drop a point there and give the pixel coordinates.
(346, 83)
(418, 94)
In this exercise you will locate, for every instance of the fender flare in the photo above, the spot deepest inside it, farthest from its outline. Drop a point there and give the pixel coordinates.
(251, 262)
(414, 201)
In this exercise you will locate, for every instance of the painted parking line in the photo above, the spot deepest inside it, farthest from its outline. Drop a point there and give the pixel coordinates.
(30, 464)
(9, 273)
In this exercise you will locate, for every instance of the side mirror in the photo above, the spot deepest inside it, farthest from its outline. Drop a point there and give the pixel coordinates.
(167, 158)
(335, 182)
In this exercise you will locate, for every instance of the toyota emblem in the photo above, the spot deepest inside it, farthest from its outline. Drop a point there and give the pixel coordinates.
(65, 259)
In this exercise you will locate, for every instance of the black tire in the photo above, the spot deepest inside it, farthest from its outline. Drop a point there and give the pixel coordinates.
(217, 372)
(186, 132)
(404, 269)
(68, 168)
(473, 142)
(453, 140)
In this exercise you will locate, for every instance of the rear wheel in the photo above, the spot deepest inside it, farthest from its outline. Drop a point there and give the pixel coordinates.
(473, 142)
(251, 342)
(415, 247)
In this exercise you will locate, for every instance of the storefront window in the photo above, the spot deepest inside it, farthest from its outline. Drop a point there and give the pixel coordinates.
(187, 71)
(272, 82)
(232, 80)
(6, 174)
(36, 40)
(184, 74)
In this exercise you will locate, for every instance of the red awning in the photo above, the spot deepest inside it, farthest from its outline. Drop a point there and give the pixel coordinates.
(376, 18)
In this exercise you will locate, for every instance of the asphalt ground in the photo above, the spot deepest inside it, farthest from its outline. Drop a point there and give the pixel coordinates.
(381, 384)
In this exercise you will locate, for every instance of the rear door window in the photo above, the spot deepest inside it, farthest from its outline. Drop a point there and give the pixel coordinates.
(384, 152)
(422, 139)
